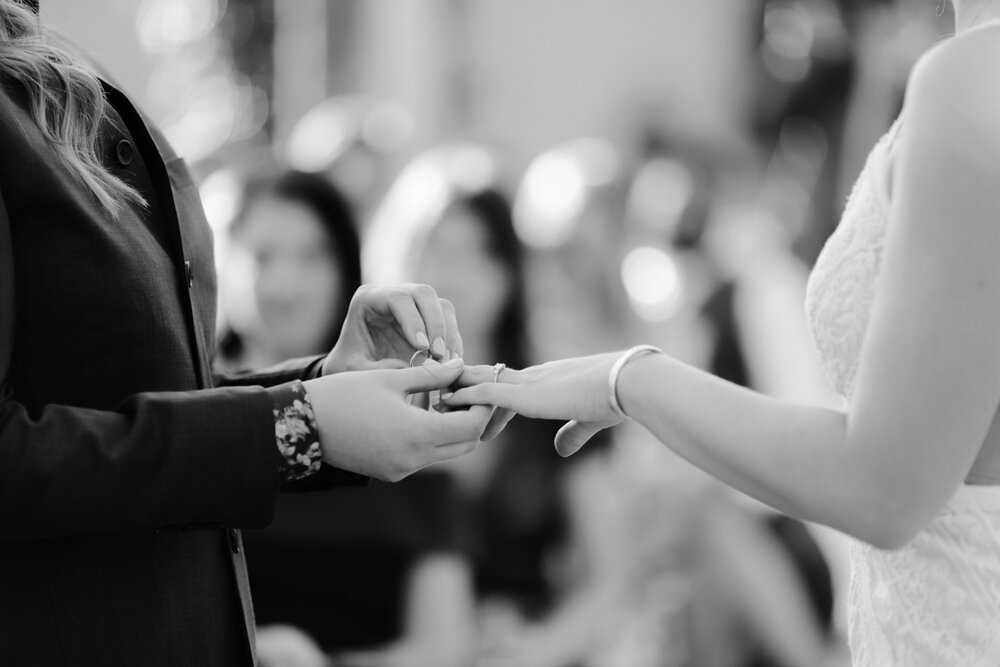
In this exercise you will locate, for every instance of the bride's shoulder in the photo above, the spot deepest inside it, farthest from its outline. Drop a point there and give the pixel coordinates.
(954, 88)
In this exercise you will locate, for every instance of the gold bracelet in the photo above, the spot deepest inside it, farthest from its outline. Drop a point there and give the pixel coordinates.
(616, 370)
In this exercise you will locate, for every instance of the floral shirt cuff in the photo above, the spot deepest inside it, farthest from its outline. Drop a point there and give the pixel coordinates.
(296, 431)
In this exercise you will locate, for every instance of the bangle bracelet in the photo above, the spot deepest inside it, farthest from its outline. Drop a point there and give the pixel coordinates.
(616, 370)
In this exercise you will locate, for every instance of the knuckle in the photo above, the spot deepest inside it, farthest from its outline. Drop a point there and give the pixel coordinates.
(426, 291)
(360, 297)
(397, 294)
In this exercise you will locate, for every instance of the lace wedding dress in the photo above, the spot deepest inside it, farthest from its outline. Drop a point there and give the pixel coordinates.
(936, 601)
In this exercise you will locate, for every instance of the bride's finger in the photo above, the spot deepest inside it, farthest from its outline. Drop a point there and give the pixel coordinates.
(482, 374)
(574, 435)
(488, 393)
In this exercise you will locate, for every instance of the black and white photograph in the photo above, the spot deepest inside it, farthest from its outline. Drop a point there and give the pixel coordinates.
(500, 333)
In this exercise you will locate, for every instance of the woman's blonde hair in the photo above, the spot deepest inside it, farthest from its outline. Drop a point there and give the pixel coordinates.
(67, 102)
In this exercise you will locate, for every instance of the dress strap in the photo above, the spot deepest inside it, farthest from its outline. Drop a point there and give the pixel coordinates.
(882, 172)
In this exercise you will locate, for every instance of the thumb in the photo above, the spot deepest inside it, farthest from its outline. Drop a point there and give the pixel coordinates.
(389, 363)
(574, 435)
(430, 376)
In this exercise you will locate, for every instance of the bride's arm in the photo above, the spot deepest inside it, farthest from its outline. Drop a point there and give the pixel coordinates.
(928, 383)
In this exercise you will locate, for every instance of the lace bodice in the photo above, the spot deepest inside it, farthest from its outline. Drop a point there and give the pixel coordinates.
(936, 601)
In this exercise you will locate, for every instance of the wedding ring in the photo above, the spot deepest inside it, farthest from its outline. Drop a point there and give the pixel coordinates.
(419, 357)
(497, 370)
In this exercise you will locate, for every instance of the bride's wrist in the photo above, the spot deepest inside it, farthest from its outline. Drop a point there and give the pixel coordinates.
(634, 383)
(628, 360)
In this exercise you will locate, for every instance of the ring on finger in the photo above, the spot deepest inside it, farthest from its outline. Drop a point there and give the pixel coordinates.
(497, 370)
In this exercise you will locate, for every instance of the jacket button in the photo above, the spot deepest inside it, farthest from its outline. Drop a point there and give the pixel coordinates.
(189, 274)
(234, 540)
(125, 152)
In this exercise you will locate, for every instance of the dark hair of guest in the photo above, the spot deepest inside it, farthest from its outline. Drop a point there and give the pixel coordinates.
(332, 210)
(491, 209)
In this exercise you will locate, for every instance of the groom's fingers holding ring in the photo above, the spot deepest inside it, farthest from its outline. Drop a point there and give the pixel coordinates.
(429, 376)
(452, 338)
(403, 307)
(429, 306)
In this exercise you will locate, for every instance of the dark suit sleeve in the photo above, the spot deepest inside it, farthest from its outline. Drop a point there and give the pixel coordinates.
(304, 368)
(158, 460)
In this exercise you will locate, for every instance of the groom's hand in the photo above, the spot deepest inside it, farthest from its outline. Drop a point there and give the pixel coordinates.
(386, 325)
(367, 426)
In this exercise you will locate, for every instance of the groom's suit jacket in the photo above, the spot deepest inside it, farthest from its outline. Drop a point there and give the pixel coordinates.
(126, 469)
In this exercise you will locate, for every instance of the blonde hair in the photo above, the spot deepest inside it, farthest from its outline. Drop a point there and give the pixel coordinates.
(67, 102)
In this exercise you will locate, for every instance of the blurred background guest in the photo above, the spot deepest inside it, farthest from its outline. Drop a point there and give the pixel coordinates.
(295, 261)
(387, 554)
(447, 219)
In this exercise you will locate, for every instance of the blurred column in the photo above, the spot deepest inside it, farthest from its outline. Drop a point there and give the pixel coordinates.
(106, 31)
(404, 53)
(300, 61)
(545, 72)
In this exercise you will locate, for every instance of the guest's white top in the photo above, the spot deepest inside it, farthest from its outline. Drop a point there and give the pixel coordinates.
(936, 601)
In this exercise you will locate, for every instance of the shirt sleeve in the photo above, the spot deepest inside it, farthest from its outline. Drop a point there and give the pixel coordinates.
(296, 432)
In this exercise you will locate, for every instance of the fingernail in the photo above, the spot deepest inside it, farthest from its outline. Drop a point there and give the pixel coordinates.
(422, 340)
(454, 363)
(456, 355)
(439, 348)
(447, 396)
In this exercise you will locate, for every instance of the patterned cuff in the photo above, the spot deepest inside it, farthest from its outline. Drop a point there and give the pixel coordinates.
(296, 431)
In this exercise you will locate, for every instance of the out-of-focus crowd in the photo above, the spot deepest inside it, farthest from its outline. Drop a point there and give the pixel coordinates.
(624, 555)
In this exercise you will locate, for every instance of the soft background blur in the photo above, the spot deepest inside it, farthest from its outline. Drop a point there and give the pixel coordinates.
(526, 73)
(674, 166)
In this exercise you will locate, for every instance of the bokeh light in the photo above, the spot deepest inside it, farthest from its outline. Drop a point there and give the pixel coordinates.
(166, 25)
(661, 192)
(653, 282)
(329, 128)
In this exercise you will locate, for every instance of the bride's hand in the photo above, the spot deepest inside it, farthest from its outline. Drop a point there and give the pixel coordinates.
(572, 389)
